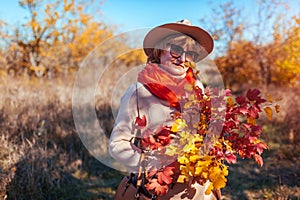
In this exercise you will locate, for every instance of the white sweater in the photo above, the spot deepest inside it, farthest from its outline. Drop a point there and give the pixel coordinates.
(157, 113)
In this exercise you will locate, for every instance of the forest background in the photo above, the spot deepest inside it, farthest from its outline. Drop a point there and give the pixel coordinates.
(41, 154)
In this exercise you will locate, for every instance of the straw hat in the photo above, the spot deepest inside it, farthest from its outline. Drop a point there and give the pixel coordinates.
(183, 27)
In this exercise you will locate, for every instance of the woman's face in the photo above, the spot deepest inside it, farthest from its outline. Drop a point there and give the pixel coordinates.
(173, 58)
(174, 66)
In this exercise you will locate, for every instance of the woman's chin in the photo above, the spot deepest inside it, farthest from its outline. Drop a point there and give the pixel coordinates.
(177, 71)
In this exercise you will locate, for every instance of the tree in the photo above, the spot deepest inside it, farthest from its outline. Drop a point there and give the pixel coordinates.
(227, 29)
(238, 65)
(250, 49)
(267, 46)
(57, 36)
(288, 66)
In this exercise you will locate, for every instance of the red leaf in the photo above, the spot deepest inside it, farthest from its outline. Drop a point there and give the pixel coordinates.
(149, 141)
(253, 111)
(260, 147)
(256, 130)
(229, 125)
(216, 151)
(199, 92)
(140, 122)
(243, 109)
(252, 139)
(252, 95)
(230, 158)
(164, 136)
(241, 100)
(227, 92)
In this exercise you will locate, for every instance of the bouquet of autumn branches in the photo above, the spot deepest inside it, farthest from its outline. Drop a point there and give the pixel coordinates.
(213, 127)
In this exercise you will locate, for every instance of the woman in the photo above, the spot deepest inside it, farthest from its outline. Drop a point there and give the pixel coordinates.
(149, 104)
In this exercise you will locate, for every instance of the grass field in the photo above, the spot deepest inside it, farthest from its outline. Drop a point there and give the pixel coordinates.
(42, 157)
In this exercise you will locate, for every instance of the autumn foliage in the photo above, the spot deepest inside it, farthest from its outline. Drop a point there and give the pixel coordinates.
(42, 157)
(259, 53)
(213, 127)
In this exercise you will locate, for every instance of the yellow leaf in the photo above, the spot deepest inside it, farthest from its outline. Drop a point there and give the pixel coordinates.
(188, 87)
(192, 97)
(224, 170)
(199, 171)
(269, 112)
(171, 150)
(197, 138)
(191, 148)
(217, 175)
(191, 170)
(184, 137)
(209, 189)
(178, 125)
(194, 158)
(220, 182)
(183, 160)
(204, 175)
(190, 64)
(188, 104)
(181, 179)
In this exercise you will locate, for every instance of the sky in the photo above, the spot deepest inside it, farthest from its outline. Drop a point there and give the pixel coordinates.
(128, 15)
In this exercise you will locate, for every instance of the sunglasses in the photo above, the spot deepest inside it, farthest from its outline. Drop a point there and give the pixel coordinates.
(177, 51)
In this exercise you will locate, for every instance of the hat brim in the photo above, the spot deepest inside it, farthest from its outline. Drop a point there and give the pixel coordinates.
(198, 34)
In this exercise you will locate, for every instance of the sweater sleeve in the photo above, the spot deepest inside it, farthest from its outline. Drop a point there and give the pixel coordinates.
(120, 147)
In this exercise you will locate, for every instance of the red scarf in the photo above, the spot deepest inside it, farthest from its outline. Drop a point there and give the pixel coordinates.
(163, 85)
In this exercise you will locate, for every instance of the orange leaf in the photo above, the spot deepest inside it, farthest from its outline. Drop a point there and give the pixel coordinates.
(251, 120)
(270, 98)
(258, 159)
(277, 108)
(269, 112)
(230, 102)
(165, 175)
(158, 188)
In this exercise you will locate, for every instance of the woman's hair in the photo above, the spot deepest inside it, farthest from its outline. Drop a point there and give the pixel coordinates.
(178, 39)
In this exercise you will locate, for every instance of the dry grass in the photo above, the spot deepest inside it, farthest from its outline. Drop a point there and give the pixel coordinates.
(42, 157)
